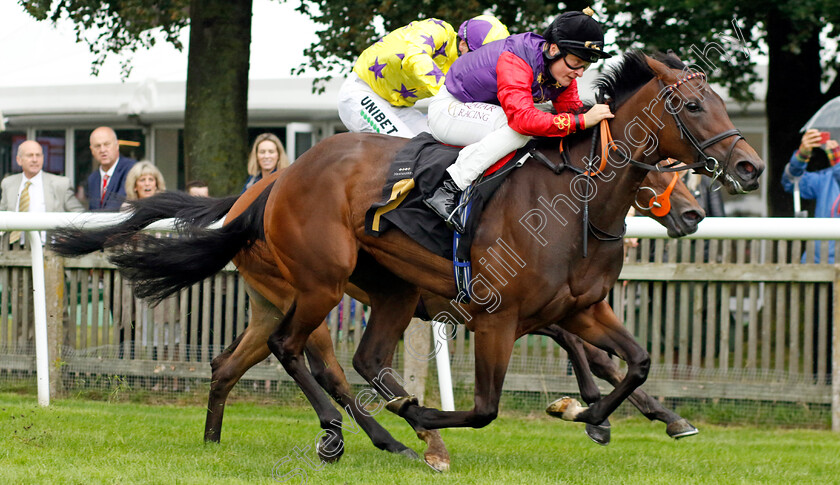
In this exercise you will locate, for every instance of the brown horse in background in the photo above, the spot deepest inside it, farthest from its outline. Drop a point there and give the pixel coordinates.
(313, 224)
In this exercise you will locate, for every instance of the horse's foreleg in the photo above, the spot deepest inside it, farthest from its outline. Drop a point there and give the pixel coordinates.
(495, 336)
(604, 367)
(577, 357)
(600, 327)
(329, 374)
(389, 318)
(589, 391)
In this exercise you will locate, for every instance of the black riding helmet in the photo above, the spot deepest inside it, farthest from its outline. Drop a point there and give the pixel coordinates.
(576, 33)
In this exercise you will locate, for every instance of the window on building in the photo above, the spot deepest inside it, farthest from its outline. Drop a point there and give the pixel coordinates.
(55, 145)
(9, 141)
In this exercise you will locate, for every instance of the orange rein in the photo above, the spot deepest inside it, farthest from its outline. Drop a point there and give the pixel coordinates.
(606, 143)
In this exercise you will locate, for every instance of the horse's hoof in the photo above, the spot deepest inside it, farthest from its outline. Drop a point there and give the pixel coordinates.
(409, 453)
(436, 455)
(565, 408)
(330, 455)
(436, 462)
(599, 433)
(680, 429)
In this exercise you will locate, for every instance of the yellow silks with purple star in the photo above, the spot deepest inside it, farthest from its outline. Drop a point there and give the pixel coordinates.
(409, 63)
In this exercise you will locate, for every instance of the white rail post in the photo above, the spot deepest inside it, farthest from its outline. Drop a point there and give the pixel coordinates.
(42, 359)
(835, 357)
(447, 401)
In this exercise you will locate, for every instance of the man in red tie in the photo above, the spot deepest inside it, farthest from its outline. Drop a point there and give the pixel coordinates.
(106, 185)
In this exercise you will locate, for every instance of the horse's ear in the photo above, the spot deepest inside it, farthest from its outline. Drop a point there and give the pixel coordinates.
(673, 54)
(662, 71)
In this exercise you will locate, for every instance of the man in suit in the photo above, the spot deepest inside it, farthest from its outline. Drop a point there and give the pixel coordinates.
(106, 185)
(34, 190)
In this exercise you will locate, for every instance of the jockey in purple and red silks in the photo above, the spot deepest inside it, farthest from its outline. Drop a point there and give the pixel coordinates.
(487, 103)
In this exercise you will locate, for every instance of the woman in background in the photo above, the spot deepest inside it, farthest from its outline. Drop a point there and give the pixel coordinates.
(267, 155)
(143, 180)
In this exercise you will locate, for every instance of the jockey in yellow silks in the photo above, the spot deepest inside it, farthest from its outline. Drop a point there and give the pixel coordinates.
(403, 67)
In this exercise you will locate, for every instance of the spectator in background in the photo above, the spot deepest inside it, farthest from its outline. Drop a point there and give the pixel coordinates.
(106, 186)
(143, 180)
(34, 190)
(198, 188)
(822, 185)
(267, 155)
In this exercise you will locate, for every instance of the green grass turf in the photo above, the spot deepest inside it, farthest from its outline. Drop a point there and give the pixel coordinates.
(81, 441)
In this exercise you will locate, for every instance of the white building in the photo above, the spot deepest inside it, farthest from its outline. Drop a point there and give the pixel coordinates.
(149, 116)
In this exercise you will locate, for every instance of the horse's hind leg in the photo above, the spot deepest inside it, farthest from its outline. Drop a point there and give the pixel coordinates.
(603, 367)
(246, 351)
(287, 343)
(329, 374)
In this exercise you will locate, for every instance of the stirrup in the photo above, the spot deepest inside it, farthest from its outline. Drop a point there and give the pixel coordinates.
(453, 222)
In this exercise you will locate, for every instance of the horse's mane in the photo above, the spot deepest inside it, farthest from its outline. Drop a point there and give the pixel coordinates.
(619, 82)
(631, 73)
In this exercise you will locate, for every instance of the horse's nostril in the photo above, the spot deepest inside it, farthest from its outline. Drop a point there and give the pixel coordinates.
(692, 216)
(746, 170)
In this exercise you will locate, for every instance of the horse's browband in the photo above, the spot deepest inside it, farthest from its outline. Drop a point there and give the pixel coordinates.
(672, 87)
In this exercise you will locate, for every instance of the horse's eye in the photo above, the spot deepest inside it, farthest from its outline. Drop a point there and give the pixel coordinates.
(693, 106)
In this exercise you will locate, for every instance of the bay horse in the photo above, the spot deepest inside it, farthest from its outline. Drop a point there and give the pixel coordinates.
(313, 223)
(319, 243)
(667, 196)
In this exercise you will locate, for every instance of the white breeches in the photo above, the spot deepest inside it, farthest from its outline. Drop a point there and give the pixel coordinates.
(363, 111)
(481, 128)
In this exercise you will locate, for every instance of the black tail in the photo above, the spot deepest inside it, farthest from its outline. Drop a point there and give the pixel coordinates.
(188, 210)
(158, 267)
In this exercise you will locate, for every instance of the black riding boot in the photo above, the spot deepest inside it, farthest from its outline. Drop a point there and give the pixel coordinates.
(444, 201)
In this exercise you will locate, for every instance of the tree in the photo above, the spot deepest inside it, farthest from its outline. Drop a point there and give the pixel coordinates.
(215, 124)
(349, 26)
(216, 116)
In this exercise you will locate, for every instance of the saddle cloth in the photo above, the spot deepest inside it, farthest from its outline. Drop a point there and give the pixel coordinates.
(414, 174)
